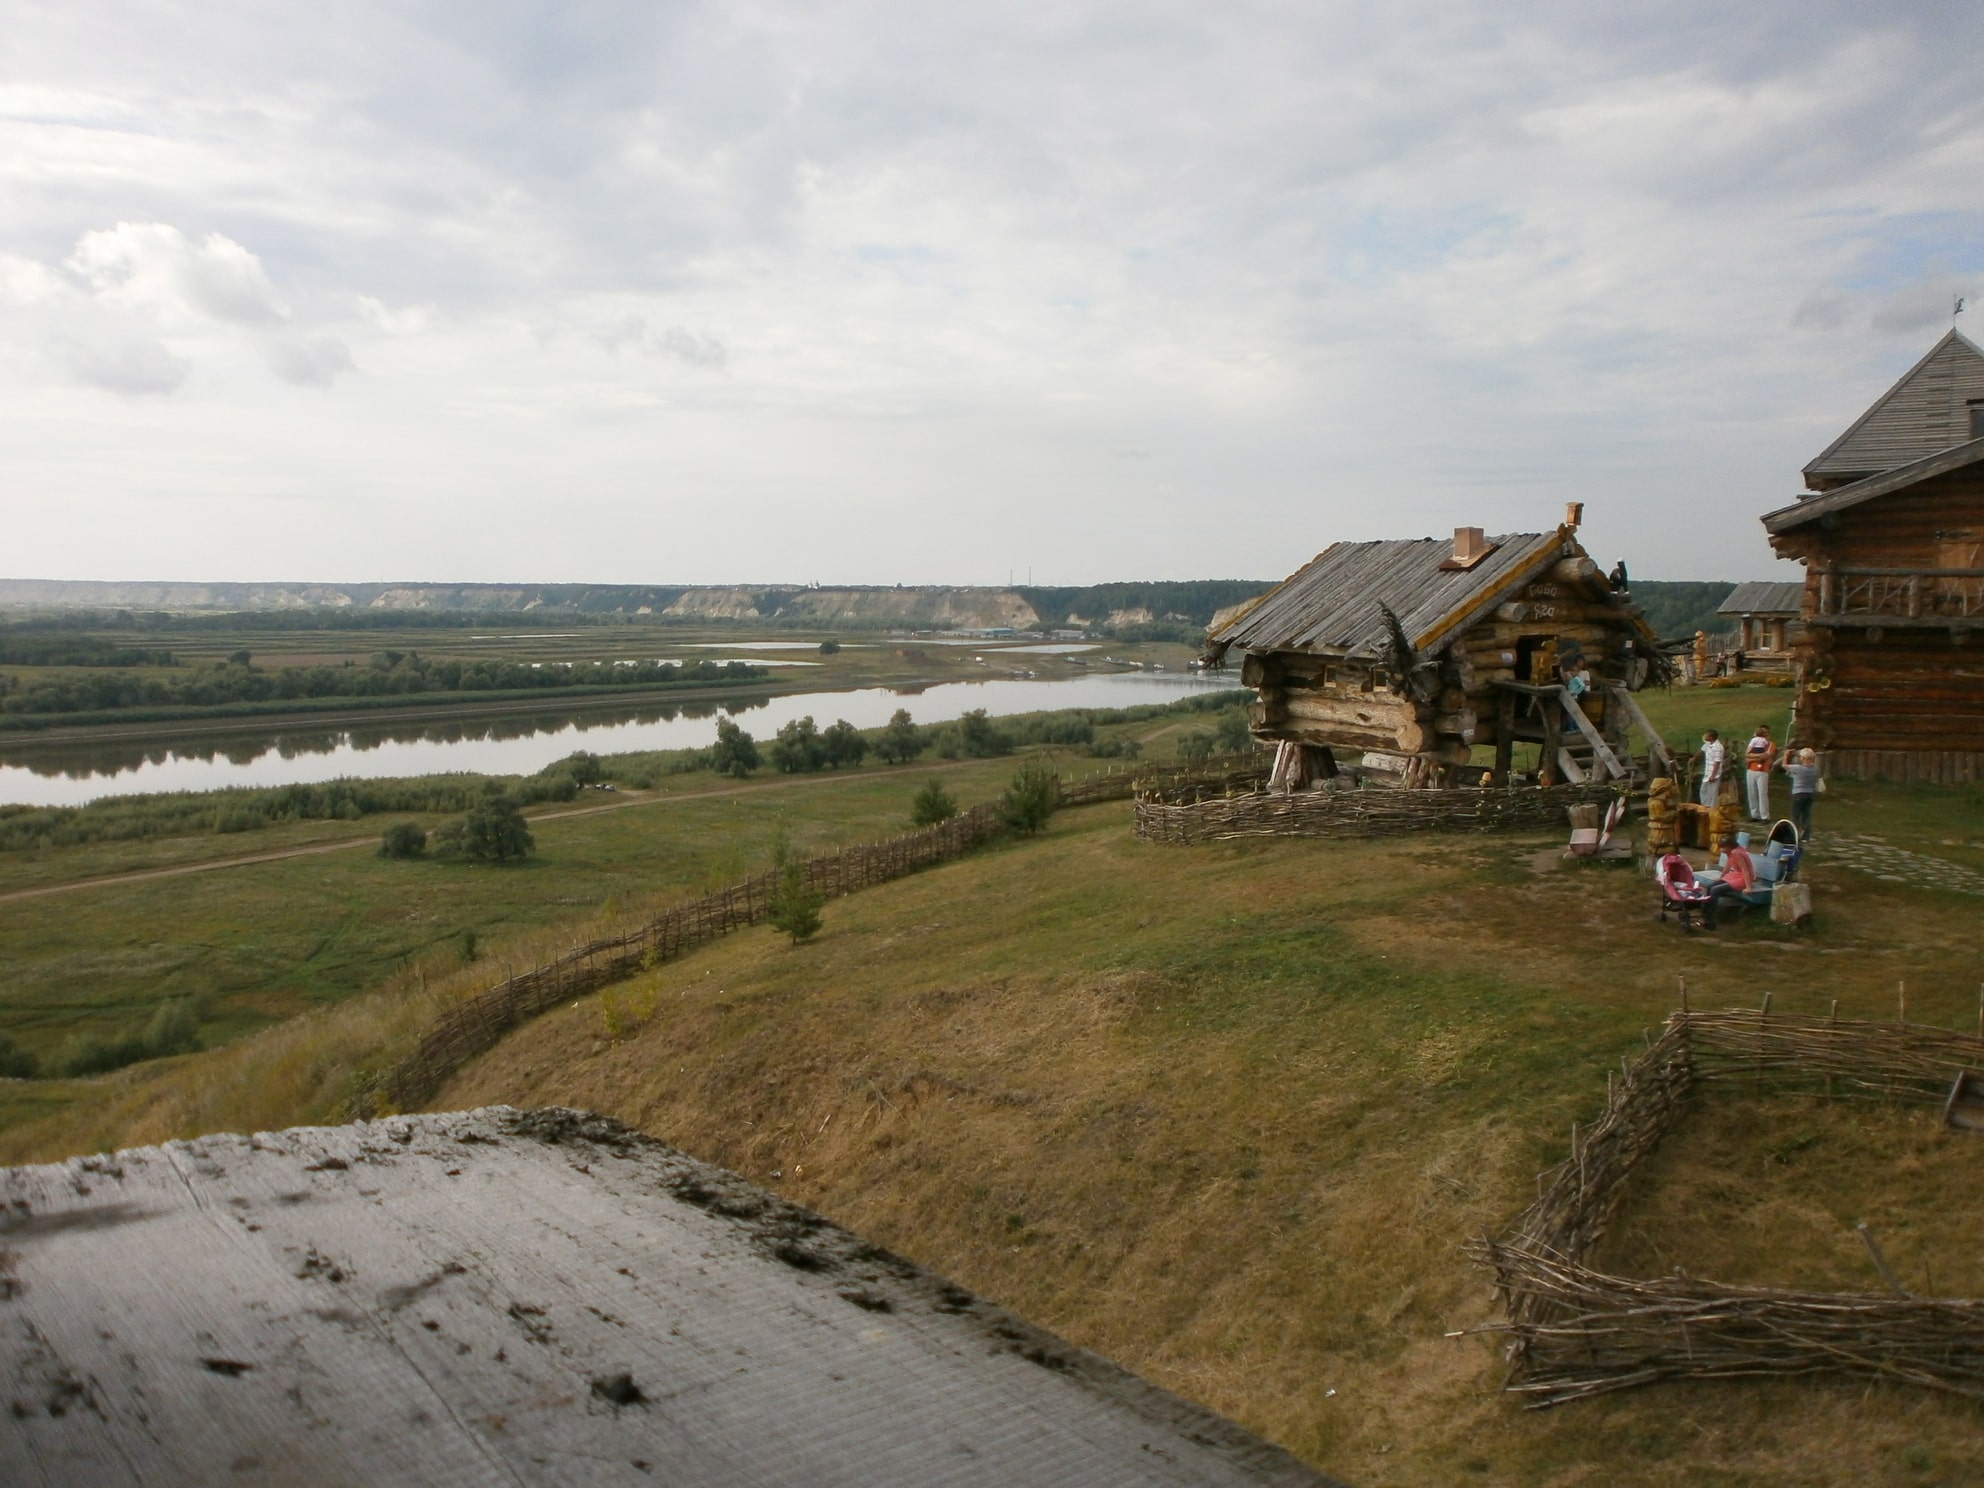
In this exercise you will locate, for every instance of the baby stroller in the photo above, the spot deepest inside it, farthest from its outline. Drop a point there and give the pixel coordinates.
(1783, 849)
(1681, 893)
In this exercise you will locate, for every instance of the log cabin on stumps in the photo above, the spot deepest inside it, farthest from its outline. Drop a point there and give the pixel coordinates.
(1889, 655)
(1414, 652)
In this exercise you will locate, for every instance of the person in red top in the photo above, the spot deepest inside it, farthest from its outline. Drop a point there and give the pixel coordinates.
(1739, 876)
(1761, 757)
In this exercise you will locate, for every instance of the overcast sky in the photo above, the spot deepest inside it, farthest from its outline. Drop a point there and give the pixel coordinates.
(885, 292)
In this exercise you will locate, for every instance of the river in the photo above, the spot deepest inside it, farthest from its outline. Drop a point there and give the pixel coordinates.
(295, 753)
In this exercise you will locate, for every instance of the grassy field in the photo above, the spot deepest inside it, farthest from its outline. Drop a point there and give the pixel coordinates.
(1223, 1113)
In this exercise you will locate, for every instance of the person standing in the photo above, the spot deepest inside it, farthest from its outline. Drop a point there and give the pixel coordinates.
(1713, 756)
(1804, 772)
(1760, 758)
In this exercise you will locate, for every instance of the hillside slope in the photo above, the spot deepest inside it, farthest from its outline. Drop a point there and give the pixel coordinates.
(1226, 1115)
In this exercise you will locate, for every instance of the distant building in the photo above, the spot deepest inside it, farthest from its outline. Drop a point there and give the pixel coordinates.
(1890, 658)
(1420, 650)
(1766, 616)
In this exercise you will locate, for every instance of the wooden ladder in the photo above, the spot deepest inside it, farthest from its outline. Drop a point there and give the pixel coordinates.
(1575, 762)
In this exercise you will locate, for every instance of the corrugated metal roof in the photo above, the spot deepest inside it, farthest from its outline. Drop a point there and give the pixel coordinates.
(1332, 604)
(1763, 597)
(1926, 411)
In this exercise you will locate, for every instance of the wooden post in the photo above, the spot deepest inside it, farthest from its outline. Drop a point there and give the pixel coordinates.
(1553, 740)
(1901, 995)
(1763, 1017)
(1505, 744)
(1980, 1010)
(1832, 1033)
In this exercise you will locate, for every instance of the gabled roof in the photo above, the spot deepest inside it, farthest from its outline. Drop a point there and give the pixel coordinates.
(1333, 603)
(1811, 508)
(1763, 597)
(1925, 412)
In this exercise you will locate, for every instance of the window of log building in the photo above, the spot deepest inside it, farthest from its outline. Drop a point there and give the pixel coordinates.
(1977, 418)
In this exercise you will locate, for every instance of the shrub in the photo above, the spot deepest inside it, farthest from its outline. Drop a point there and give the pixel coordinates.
(1116, 748)
(735, 752)
(830, 648)
(901, 741)
(1032, 797)
(171, 1029)
(1195, 746)
(403, 840)
(798, 750)
(17, 1063)
(931, 805)
(492, 831)
(1231, 733)
(584, 768)
(843, 744)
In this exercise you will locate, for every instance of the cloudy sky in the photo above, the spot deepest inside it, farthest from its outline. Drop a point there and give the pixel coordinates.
(882, 292)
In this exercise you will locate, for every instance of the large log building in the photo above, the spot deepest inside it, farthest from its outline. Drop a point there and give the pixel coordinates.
(1890, 652)
(1419, 650)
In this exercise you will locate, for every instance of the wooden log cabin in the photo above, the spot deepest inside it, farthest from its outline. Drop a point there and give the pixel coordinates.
(1890, 656)
(1415, 652)
(1766, 616)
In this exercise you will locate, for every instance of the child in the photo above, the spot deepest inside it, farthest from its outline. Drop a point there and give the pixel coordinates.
(1804, 773)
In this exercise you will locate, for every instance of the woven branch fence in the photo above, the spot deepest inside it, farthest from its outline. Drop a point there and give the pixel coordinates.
(1577, 1331)
(1182, 817)
(476, 1024)
(1218, 775)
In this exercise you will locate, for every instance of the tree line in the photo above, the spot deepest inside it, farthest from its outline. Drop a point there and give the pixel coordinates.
(388, 674)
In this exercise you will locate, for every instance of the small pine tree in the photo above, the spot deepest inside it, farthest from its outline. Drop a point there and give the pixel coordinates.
(1032, 797)
(795, 906)
(932, 804)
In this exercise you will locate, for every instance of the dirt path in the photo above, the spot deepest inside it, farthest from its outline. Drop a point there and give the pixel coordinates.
(345, 844)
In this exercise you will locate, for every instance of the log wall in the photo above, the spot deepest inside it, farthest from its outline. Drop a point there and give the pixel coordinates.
(1339, 702)
(1873, 691)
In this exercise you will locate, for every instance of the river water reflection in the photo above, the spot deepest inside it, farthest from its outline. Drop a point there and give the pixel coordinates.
(523, 743)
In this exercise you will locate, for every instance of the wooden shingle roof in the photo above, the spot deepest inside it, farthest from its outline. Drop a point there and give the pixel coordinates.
(1927, 411)
(1764, 597)
(1815, 508)
(1332, 603)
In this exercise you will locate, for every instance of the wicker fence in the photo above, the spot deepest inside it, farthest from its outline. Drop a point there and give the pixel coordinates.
(1577, 1331)
(1218, 775)
(1164, 816)
(476, 1024)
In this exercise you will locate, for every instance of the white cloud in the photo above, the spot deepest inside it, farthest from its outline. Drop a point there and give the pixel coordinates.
(313, 361)
(153, 266)
(136, 365)
(1340, 271)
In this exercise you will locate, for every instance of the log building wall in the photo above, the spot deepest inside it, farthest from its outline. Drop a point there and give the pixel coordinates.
(1887, 694)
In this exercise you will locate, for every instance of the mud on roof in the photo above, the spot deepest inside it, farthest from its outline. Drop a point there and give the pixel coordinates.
(508, 1297)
